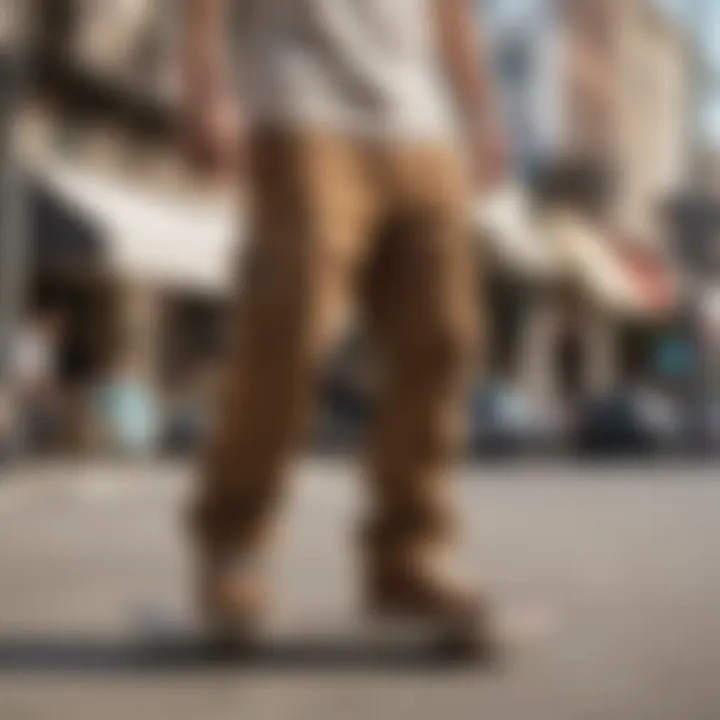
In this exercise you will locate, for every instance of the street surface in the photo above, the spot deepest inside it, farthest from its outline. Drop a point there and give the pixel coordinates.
(607, 580)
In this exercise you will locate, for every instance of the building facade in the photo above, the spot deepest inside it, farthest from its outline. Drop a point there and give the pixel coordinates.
(594, 92)
(653, 117)
(118, 220)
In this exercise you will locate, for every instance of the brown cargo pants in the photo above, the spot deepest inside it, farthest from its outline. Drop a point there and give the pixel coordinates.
(333, 220)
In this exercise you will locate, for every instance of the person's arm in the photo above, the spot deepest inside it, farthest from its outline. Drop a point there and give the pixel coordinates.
(203, 27)
(211, 120)
(467, 67)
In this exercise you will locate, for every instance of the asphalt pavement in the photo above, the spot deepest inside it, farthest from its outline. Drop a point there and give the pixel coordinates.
(606, 579)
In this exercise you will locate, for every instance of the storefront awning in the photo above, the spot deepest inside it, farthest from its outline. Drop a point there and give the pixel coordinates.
(507, 223)
(190, 244)
(610, 274)
(169, 241)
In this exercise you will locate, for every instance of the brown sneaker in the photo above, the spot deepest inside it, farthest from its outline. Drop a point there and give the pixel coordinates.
(409, 589)
(231, 599)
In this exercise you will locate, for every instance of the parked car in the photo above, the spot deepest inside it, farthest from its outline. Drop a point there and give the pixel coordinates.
(632, 421)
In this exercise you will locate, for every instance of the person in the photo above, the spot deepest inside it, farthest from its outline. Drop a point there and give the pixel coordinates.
(127, 407)
(356, 119)
(36, 359)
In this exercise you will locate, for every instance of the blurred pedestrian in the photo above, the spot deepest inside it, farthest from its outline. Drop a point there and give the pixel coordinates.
(128, 408)
(37, 353)
(184, 409)
(351, 140)
(7, 428)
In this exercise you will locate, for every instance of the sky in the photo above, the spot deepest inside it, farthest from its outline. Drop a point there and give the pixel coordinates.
(703, 19)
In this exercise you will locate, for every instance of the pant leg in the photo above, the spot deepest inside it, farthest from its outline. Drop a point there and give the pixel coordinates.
(422, 304)
(311, 208)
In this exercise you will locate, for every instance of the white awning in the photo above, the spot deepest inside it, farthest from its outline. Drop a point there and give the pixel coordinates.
(589, 257)
(506, 220)
(156, 238)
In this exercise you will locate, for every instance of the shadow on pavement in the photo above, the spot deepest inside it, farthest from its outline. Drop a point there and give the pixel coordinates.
(99, 655)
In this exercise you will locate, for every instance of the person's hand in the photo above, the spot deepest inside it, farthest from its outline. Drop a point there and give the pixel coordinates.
(490, 156)
(214, 138)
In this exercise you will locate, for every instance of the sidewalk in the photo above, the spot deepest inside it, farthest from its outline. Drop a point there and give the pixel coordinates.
(605, 581)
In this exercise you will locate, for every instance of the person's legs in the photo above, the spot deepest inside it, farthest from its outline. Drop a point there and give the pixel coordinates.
(311, 212)
(423, 309)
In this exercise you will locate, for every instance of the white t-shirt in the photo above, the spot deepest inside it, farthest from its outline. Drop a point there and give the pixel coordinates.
(358, 66)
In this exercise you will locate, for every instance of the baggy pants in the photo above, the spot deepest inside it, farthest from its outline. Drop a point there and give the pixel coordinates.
(333, 221)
